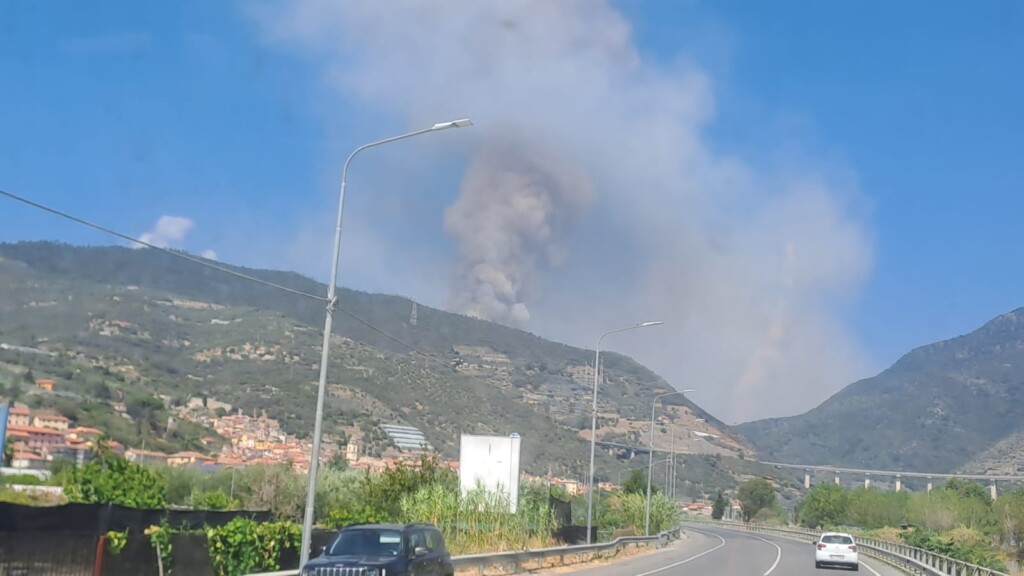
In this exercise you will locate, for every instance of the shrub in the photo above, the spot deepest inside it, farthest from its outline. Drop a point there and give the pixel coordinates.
(243, 546)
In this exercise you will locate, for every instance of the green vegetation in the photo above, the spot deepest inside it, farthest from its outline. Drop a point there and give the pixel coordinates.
(24, 480)
(825, 505)
(963, 544)
(146, 332)
(8, 451)
(12, 496)
(947, 403)
(637, 483)
(160, 540)
(480, 521)
(718, 508)
(110, 479)
(384, 493)
(243, 546)
(755, 496)
(628, 510)
(116, 541)
(475, 522)
(958, 519)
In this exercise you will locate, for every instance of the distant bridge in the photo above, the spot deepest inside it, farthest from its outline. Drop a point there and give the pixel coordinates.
(627, 447)
(837, 470)
(894, 474)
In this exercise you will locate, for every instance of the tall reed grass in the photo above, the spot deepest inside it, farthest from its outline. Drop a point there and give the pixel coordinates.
(480, 521)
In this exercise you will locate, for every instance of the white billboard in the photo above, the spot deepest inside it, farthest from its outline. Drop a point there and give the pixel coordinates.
(490, 461)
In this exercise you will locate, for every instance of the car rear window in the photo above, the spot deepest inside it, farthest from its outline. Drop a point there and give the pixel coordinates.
(836, 539)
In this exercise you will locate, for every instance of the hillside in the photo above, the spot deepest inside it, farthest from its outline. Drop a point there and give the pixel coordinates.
(937, 409)
(124, 324)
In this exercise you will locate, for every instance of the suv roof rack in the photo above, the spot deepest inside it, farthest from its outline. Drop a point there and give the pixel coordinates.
(393, 524)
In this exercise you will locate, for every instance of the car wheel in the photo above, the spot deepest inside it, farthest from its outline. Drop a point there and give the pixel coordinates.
(856, 567)
(817, 565)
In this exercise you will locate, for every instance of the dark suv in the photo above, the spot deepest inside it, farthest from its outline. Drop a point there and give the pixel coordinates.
(384, 550)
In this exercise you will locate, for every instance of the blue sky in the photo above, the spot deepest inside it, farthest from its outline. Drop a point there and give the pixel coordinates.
(912, 112)
(920, 100)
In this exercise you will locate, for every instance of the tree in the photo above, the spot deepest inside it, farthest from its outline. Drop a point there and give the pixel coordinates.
(338, 462)
(216, 500)
(8, 450)
(1010, 513)
(718, 509)
(825, 505)
(967, 489)
(870, 508)
(637, 483)
(143, 407)
(384, 492)
(101, 390)
(755, 495)
(110, 479)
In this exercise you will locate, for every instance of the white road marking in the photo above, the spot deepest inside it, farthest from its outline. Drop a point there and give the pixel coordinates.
(873, 571)
(691, 558)
(778, 556)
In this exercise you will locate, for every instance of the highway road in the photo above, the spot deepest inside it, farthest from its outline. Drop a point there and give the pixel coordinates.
(717, 552)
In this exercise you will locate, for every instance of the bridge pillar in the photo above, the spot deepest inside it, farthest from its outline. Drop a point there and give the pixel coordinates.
(899, 483)
(807, 479)
(992, 490)
(867, 481)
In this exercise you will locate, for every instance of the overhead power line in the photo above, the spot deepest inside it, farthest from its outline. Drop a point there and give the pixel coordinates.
(175, 253)
(208, 264)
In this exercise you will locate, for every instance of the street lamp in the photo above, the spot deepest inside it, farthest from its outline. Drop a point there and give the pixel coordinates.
(672, 492)
(332, 304)
(650, 458)
(593, 418)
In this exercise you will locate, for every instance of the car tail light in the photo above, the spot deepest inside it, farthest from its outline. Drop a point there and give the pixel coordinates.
(853, 548)
(821, 546)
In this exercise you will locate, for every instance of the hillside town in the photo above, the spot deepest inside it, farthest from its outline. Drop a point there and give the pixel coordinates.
(41, 437)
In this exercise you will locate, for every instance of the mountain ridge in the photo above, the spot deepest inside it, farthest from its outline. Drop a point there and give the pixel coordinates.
(196, 328)
(936, 409)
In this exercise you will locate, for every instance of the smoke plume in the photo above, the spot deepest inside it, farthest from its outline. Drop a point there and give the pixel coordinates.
(515, 203)
(752, 270)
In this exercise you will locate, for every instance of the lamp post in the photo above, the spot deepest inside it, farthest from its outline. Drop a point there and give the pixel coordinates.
(670, 470)
(332, 304)
(593, 419)
(650, 458)
(672, 493)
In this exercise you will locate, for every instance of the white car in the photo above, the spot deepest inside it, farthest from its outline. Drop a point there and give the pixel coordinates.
(836, 549)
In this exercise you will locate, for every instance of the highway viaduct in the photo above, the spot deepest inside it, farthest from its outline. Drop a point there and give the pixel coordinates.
(897, 477)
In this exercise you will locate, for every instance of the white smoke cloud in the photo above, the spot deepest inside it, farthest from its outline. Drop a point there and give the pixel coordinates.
(751, 270)
(170, 232)
(167, 232)
(513, 208)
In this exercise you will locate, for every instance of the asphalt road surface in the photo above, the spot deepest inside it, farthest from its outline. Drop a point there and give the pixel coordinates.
(715, 552)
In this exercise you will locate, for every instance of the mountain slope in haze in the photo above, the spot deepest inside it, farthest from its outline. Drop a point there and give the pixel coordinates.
(935, 410)
(172, 328)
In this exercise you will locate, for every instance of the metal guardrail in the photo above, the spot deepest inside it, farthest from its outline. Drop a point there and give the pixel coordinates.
(527, 560)
(914, 560)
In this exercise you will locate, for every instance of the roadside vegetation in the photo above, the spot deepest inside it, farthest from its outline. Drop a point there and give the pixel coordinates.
(958, 519)
(478, 521)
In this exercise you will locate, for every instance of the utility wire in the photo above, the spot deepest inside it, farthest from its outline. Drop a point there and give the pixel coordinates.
(209, 264)
(409, 346)
(182, 255)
